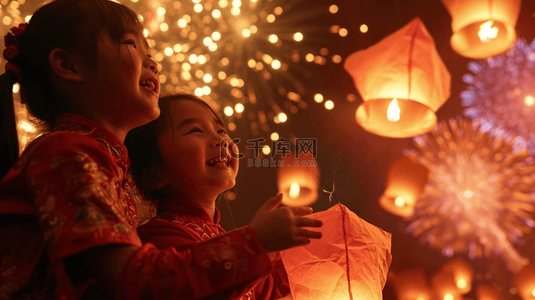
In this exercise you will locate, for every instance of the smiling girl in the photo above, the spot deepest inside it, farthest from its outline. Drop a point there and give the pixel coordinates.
(184, 160)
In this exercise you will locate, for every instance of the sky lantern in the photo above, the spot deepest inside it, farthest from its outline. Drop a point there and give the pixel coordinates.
(462, 272)
(298, 179)
(405, 181)
(482, 28)
(402, 81)
(444, 287)
(350, 261)
(486, 292)
(525, 282)
(411, 284)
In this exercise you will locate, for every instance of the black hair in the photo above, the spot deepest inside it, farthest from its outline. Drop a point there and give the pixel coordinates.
(65, 24)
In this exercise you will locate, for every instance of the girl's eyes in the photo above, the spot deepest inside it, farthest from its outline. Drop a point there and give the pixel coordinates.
(199, 130)
(195, 130)
(131, 42)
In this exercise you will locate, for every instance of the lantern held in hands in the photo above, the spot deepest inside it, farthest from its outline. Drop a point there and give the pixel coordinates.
(482, 28)
(298, 179)
(350, 261)
(405, 181)
(402, 81)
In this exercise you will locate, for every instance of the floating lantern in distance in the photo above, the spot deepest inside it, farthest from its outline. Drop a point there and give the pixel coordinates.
(485, 292)
(411, 285)
(402, 81)
(352, 255)
(482, 28)
(462, 272)
(444, 287)
(298, 179)
(525, 282)
(405, 181)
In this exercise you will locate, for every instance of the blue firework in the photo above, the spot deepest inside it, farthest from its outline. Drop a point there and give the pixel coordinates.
(501, 94)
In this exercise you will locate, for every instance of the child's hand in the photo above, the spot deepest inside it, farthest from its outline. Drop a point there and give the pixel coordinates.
(281, 228)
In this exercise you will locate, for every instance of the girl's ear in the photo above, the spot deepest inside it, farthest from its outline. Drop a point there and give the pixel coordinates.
(153, 178)
(66, 65)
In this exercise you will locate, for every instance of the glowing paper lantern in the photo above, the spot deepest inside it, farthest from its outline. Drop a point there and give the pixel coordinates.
(485, 292)
(444, 287)
(298, 179)
(411, 285)
(525, 282)
(462, 273)
(482, 28)
(350, 261)
(402, 81)
(405, 181)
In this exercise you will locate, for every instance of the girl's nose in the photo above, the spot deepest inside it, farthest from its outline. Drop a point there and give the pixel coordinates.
(152, 65)
(222, 142)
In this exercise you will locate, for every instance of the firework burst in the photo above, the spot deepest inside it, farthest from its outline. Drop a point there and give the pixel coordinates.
(480, 196)
(251, 58)
(501, 94)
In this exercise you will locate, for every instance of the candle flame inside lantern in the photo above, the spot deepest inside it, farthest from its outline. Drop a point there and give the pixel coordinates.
(533, 292)
(393, 111)
(529, 100)
(448, 297)
(461, 283)
(487, 32)
(294, 190)
(400, 201)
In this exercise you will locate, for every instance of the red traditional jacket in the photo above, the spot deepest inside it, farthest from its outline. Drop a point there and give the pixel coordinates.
(69, 192)
(183, 224)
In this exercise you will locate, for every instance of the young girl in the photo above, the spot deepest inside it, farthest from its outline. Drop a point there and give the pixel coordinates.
(192, 163)
(67, 212)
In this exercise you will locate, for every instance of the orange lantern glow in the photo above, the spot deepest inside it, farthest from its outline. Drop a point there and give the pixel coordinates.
(298, 179)
(482, 28)
(405, 181)
(402, 81)
(462, 273)
(444, 287)
(485, 292)
(411, 285)
(525, 282)
(350, 261)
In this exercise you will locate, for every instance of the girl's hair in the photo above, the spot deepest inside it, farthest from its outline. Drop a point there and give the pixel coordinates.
(65, 24)
(142, 142)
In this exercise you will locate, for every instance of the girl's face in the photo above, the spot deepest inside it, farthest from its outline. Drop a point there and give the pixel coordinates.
(195, 151)
(126, 81)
